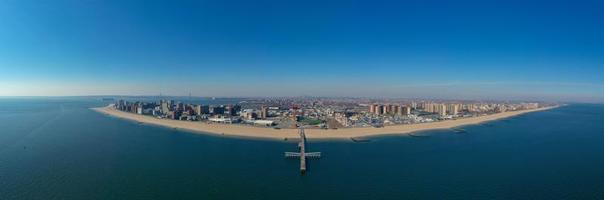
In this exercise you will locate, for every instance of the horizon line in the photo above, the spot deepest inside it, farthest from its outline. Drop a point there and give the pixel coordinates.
(353, 97)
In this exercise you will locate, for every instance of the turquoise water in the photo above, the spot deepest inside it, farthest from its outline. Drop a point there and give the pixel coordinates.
(59, 149)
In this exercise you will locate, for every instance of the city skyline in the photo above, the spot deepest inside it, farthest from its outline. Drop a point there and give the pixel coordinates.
(314, 113)
(470, 50)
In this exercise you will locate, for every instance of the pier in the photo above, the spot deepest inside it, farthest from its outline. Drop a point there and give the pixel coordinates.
(302, 154)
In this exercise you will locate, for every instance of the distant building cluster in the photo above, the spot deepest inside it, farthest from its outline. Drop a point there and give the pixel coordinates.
(426, 111)
(442, 109)
(389, 109)
(170, 109)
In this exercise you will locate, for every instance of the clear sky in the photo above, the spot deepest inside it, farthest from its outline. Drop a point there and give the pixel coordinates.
(542, 50)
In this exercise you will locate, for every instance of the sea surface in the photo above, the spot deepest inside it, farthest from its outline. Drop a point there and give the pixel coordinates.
(57, 148)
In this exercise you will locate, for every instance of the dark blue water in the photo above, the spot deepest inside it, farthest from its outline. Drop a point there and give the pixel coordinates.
(59, 149)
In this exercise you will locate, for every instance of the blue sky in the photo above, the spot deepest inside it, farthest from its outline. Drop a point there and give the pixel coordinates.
(534, 50)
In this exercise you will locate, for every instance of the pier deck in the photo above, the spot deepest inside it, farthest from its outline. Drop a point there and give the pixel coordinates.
(302, 154)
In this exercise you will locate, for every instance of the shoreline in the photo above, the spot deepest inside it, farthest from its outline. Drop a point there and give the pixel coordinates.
(280, 134)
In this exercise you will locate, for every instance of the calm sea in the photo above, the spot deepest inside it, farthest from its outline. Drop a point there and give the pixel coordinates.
(57, 148)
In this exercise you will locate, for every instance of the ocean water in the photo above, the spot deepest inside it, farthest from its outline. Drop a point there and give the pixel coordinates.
(57, 148)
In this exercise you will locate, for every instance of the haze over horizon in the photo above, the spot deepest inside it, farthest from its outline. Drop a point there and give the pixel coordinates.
(535, 50)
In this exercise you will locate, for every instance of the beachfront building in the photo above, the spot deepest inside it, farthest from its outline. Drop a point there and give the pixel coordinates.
(248, 114)
(372, 108)
(164, 107)
(441, 109)
(263, 112)
(198, 109)
(264, 122)
(453, 109)
(225, 120)
(391, 109)
(406, 110)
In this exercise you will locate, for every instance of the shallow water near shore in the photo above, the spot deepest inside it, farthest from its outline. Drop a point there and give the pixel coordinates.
(58, 148)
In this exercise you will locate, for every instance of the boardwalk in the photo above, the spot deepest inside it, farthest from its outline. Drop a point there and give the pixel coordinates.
(302, 154)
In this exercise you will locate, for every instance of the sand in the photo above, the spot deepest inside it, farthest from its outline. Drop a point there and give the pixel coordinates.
(280, 134)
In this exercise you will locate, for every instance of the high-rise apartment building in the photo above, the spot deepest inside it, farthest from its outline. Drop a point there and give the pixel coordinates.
(453, 109)
(442, 109)
(372, 108)
(263, 112)
(164, 107)
(406, 110)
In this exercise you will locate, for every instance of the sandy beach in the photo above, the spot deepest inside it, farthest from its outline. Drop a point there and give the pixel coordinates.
(280, 134)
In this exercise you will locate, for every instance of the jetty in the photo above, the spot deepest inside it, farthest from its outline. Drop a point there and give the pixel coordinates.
(302, 154)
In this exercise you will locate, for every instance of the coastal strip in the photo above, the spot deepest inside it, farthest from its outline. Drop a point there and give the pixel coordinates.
(280, 134)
